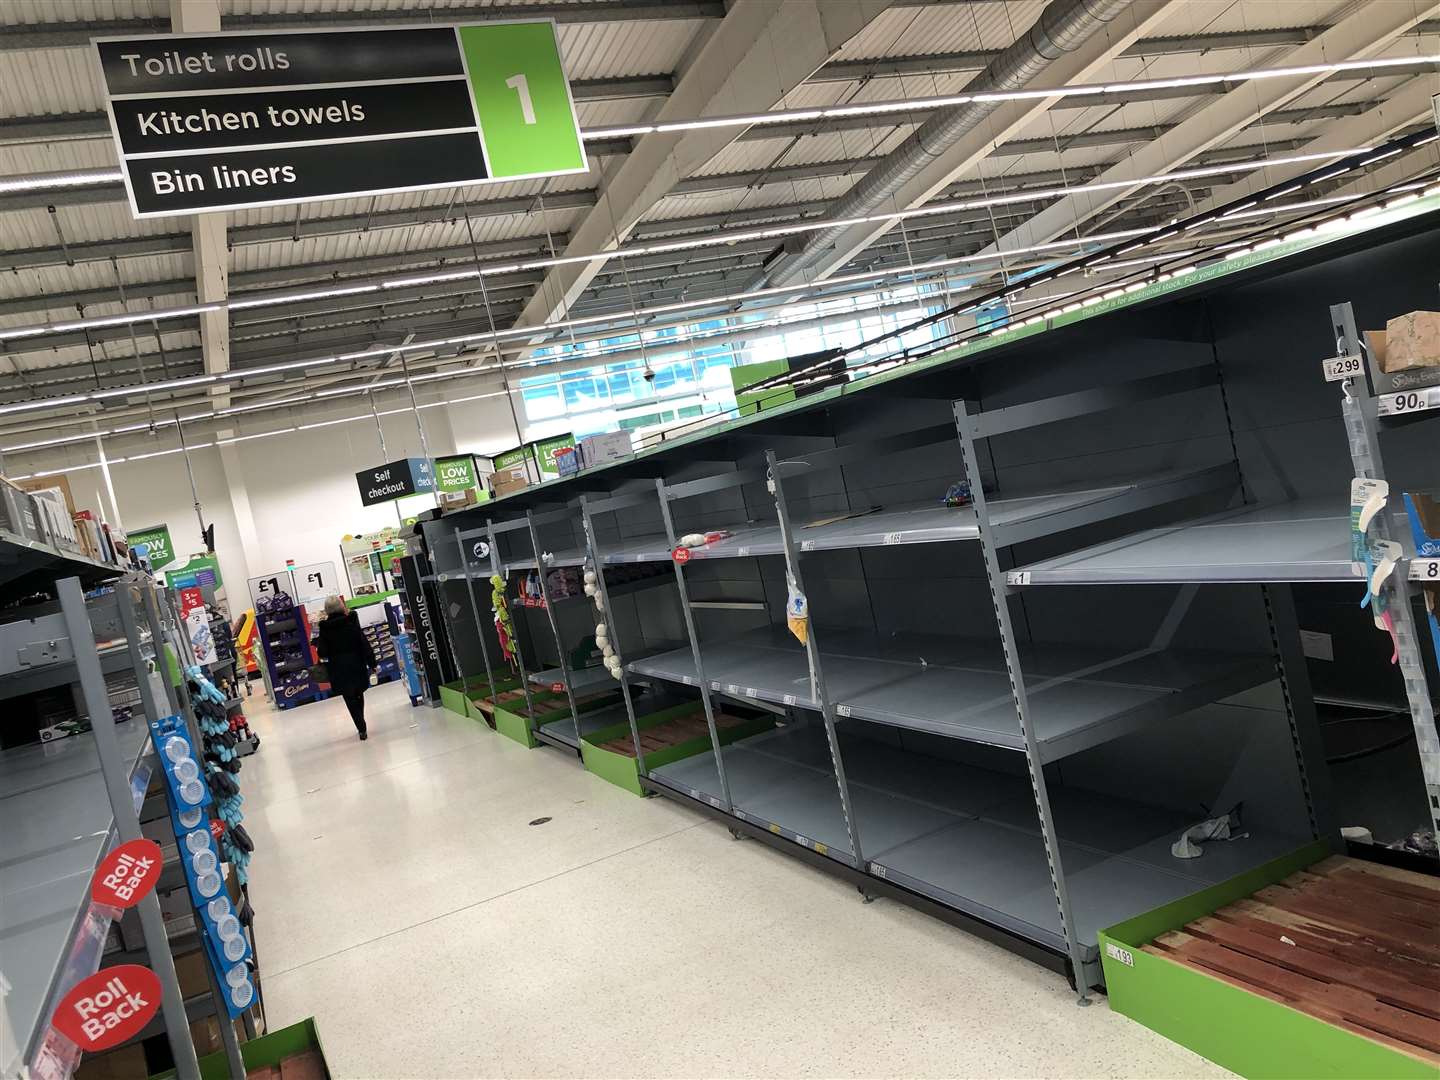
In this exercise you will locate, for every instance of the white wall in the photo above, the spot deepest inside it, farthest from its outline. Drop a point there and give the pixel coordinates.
(301, 485)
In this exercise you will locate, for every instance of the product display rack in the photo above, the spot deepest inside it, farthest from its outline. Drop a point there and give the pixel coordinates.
(89, 786)
(288, 629)
(1367, 417)
(387, 666)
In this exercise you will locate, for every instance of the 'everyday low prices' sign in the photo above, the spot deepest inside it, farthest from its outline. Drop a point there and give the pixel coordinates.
(157, 539)
(456, 473)
(229, 121)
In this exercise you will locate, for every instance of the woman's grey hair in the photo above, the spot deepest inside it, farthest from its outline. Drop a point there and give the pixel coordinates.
(334, 605)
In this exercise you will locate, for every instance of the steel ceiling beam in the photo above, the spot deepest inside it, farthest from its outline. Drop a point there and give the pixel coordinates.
(1364, 32)
(975, 60)
(342, 271)
(72, 35)
(310, 228)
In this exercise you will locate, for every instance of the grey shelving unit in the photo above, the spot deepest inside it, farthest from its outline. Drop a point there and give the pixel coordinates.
(970, 725)
(67, 803)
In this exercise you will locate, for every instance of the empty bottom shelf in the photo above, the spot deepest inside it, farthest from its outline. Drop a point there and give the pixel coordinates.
(969, 837)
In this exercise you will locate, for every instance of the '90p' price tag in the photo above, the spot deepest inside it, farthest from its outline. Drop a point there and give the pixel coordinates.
(1408, 401)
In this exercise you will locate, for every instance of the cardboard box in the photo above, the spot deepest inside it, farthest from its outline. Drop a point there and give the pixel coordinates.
(193, 971)
(1375, 342)
(1423, 509)
(456, 500)
(122, 1063)
(509, 480)
(51, 483)
(604, 448)
(1412, 341)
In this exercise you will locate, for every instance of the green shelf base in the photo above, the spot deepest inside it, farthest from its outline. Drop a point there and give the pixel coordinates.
(267, 1050)
(517, 726)
(623, 771)
(1247, 1034)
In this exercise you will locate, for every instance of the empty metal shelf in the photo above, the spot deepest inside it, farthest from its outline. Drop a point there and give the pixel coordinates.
(1013, 519)
(1294, 541)
(528, 562)
(970, 837)
(58, 823)
(960, 688)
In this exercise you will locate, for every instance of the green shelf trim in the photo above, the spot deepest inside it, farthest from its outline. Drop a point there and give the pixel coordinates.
(265, 1052)
(624, 771)
(369, 598)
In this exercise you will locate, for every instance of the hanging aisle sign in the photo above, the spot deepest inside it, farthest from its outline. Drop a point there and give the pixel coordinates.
(230, 121)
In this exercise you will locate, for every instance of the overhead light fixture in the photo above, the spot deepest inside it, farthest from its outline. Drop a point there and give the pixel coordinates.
(47, 181)
(1117, 89)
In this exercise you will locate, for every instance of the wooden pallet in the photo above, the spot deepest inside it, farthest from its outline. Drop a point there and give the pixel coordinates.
(1353, 943)
(681, 729)
(306, 1066)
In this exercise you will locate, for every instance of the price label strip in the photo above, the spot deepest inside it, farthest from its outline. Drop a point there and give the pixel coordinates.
(1425, 570)
(1343, 367)
(1408, 401)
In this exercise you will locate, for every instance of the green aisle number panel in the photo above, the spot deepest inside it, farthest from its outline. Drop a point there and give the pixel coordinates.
(527, 118)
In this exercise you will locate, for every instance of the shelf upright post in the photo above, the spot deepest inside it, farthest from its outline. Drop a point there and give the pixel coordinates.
(182, 690)
(497, 565)
(157, 641)
(965, 425)
(812, 650)
(592, 546)
(154, 708)
(540, 571)
(127, 822)
(1362, 427)
(479, 626)
(700, 678)
(1300, 712)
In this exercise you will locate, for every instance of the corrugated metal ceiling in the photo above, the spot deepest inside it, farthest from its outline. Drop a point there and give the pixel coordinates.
(58, 81)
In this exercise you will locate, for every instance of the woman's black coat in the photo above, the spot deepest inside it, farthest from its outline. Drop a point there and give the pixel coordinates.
(346, 652)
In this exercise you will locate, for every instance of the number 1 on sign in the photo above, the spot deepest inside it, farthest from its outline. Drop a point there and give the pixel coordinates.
(521, 86)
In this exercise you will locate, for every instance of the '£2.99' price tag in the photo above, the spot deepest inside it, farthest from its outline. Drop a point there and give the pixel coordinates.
(1343, 367)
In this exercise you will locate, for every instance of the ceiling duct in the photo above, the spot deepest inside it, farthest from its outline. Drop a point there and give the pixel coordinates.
(1061, 28)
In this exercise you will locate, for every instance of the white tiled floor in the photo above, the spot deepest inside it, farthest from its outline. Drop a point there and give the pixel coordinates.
(404, 900)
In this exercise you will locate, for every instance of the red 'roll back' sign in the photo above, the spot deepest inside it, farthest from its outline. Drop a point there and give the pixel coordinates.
(127, 875)
(108, 1007)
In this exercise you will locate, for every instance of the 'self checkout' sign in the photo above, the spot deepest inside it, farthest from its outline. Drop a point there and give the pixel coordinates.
(227, 121)
(408, 476)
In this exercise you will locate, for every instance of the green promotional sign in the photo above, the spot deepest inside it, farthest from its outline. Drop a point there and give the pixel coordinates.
(545, 454)
(157, 539)
(518, 456)
(456, 473)
(527, 119)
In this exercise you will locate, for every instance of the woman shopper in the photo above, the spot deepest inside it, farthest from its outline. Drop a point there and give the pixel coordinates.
(347, 656)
